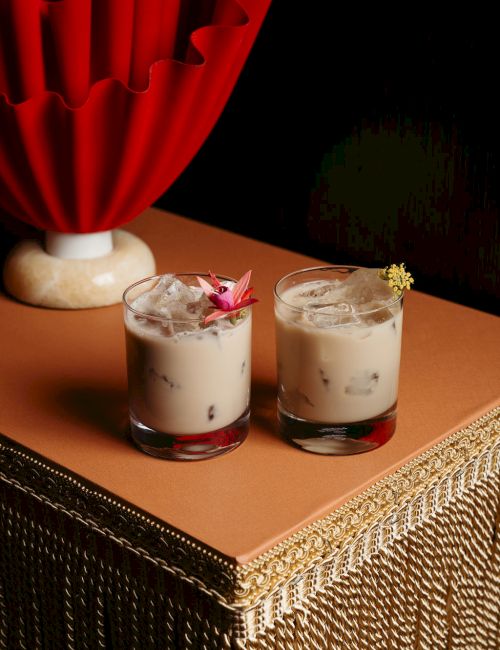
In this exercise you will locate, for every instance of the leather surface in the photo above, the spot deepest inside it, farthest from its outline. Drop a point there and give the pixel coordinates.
(63, 394)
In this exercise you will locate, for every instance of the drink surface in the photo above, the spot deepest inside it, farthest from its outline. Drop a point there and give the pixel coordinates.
(338, 348)
(185, 377)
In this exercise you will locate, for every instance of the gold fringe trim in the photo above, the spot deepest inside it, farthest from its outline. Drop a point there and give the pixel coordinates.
(386, 510)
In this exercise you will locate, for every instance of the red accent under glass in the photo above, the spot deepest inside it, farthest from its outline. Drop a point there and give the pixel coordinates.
(220, 438)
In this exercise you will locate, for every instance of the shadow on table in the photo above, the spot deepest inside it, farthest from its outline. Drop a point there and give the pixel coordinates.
(101, 407)
(106, 407)
(263, 405)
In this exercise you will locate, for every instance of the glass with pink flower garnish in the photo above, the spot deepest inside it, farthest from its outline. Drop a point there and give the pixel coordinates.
(188, 355)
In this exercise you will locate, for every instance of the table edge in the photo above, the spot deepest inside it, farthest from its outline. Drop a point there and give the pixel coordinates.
(383, 511)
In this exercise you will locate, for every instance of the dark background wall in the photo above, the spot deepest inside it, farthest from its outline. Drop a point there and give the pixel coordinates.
(362, 140)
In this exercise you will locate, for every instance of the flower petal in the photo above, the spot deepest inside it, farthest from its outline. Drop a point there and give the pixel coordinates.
(245, 303)
(241, 286)
(223, 300)
(214, 315)
(207, 289)
(247, 293)
(215, 281)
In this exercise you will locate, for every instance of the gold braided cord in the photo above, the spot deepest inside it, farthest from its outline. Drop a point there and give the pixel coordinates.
(384, 512)
(437, 586)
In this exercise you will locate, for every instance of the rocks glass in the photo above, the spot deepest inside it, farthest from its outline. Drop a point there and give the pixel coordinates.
(338, 334)
(189, 382)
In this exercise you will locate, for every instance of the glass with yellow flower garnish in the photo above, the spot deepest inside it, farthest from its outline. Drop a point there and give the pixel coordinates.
(338, 334)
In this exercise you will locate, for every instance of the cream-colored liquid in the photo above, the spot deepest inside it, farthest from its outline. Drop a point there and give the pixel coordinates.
(192, 382)
(341, 374)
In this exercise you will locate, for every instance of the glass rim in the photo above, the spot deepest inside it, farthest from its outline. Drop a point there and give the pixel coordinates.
(329, 267)
(164, 319)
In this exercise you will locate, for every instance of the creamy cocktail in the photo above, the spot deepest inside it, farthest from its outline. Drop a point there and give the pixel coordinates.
(189, 380)
(338, 335)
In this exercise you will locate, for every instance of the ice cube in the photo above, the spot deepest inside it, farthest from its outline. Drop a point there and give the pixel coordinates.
(379, 314)
(169, 298)
(182, 307)
(365, 290)
(330, 315)
(364, 383)
(319, 288)
(175, 291)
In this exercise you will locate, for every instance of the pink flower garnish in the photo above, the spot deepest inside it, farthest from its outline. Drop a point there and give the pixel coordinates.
(225, 298)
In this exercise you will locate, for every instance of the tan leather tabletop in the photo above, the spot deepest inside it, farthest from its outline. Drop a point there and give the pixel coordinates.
(63, 395)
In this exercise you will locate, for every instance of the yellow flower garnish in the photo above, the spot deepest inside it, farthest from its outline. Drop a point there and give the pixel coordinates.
(398, 278)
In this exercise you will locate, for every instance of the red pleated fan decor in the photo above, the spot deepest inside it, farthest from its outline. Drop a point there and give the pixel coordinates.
(103, 103)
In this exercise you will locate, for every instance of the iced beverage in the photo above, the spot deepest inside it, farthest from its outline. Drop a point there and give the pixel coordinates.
(189, 382)
(338, 335)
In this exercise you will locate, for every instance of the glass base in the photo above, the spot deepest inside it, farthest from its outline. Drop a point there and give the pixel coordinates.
(337, 439)
(197, 446)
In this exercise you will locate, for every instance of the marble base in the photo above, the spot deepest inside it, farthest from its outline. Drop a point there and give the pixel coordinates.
(33, 276)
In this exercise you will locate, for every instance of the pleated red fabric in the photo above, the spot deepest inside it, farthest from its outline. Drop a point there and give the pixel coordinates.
(103, 103)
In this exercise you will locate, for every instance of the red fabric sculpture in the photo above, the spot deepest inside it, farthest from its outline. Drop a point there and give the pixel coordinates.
(103, 103)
